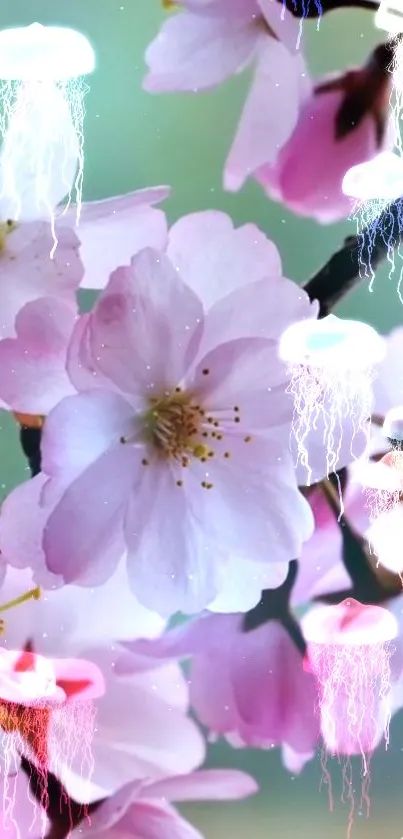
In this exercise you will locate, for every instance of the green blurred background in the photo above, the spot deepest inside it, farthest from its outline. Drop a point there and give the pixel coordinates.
(136, 140)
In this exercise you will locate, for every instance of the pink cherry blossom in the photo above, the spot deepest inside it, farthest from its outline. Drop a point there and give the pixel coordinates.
(30, 269)
(145, 469)
(111, 231)
(308, 172)
(262, 696)
(204, 44)
(140, 719)
(145, 809)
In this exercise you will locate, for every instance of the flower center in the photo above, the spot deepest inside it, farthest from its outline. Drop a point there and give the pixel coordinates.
(6, 227)
(173, 426)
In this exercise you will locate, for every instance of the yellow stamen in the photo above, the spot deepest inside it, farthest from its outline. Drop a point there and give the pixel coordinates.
(169, 5)
(33, 594)
(6, 227)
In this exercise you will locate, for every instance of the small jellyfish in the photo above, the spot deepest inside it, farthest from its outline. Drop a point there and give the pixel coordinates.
(331, 366)
(349, 651)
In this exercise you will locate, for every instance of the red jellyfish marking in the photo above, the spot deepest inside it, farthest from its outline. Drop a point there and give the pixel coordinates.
(349, 650)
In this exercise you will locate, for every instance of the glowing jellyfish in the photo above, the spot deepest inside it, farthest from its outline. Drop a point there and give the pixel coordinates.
(41, 119)
(48, 714)
(349, 650)
(383, 481)
(379, 179)
(331, 367)
(389, 16)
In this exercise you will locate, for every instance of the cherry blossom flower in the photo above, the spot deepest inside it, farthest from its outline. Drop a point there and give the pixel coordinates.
(203, 44)
(140, 718)
(262, 696)
(342, 124)
(145, 809)
(178, 449)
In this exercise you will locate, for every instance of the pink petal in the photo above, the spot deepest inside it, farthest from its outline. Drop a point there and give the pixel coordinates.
(129, 222)
(204, 785)
(21, 525)
(28, 271)
(197, 243)
(193, 52)
(81, 366)
(275, 697)
(260, 309)
(144, 308)
(242, 582)
(286, 27)
(33, 377)
(83, 542)
(247, 511)
(143, 730)
(156, 821)
(182, 576)
(270, 113)
(295, 761)
(81, 429)
(247, 373)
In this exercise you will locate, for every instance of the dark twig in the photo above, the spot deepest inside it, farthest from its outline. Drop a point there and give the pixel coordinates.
(30, 439)
(346, 268)
(274, 605)
(63, 812)
(315, 8)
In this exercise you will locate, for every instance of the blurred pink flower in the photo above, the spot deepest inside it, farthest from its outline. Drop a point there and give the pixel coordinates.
(113, 230)
(205, 43)
(145, 809)
(142, 727)
(262, 696)
(145, 437)
(28, 271)
(308, 173)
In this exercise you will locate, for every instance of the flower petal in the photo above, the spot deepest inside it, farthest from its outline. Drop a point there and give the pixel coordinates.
(270, 113)
(182, 577)
(196, 246)
(112, 231)
(204, 785)
(146, 307)
(194, 52)
(33, 377)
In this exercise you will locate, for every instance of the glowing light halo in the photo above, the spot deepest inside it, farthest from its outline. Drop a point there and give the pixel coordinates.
(380, 178)
(331, 368)
(41, 119)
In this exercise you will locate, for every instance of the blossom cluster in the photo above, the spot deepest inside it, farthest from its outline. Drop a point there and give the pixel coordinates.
(166, 480)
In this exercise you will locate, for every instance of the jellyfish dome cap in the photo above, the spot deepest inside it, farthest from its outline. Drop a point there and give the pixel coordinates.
(349, 623)
(332, 342)
(393, 424)
(44, 53)
(378, 179)
(27, 684)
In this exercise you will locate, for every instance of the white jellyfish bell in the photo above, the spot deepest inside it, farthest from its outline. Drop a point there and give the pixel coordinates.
(379, 179)
(41, 119)
(331, 366)
(389, 16)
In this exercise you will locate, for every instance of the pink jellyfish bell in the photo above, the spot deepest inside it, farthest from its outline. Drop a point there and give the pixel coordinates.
(349, 650)
(383, 481)
(331, 364)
